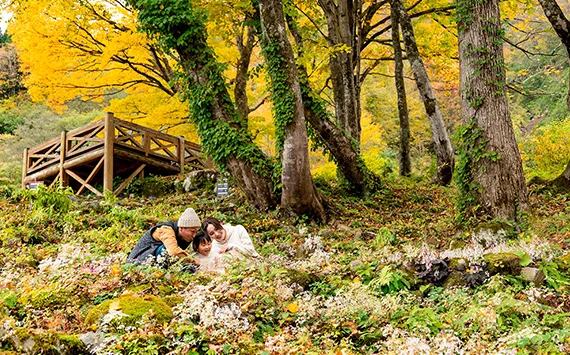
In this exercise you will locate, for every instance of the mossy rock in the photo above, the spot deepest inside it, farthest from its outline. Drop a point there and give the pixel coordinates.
(457, 244)
(455, 279)
(47, 343)
(494, 227)
(49, 296)
(134, 307)
(301, 278)
(173, 300)
(503, 263)
(457, 264)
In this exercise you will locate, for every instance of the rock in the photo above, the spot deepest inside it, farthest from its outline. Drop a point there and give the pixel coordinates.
(94, 341)
(458, 264)
(455, 279)
(326, 233)
(357, 235)
(343, 228)
(457, 244)
(503, 263)
(130, 309)
(301, 278)
(433, 241)
(199, 179)
(533, 275)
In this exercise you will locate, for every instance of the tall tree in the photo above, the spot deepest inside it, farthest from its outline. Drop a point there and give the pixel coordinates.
(342, 19)
(561, 26)
(179, 27)
(490, 171)
(443, 149)
(299, 193)
(334, 139)
(404, 158)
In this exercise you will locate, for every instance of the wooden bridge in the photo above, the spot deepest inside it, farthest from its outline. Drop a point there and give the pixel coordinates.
(93, 156)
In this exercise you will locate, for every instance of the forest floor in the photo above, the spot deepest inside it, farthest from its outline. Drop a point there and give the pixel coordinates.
(393, 273)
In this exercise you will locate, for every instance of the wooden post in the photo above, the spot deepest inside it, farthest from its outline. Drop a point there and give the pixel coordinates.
(62, 156)
(25, 166)
(108, 151)
(181, 152)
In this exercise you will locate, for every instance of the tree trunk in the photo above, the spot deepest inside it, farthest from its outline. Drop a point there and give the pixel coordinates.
(342, 21)
(404, 158)
(492, 177)
(299, 193)
(224, 135)
(362, 181)
(242, 66)
(564, 179)
(561, 26)
(443, 149)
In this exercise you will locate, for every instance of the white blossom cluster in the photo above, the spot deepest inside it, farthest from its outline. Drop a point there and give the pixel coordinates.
(200, 305)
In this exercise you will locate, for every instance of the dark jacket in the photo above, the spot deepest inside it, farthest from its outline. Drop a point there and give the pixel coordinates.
(147, 245)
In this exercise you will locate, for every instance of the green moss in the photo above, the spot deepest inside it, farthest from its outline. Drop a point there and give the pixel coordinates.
(134, 307)
(457, 264)
(455, 279)
(457, 244)
(71, 341)
(173, 300)
(503, 263)
(301, 278)
(49, 296)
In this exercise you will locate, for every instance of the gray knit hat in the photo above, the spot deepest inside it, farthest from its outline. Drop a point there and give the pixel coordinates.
(189, 219)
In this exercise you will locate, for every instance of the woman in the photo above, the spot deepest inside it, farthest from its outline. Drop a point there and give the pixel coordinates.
(228, 239)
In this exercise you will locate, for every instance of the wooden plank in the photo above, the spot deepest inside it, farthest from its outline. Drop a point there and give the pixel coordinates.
(162, 147)
(136, 127)
(128, 180)
(108, 151)
(25, 166)
(62, 156)
(92, 174)
(128, 136)
(83, 182)
(90, 126)
(69, 164)
(181, 152)
(81, 140)
(149, 161)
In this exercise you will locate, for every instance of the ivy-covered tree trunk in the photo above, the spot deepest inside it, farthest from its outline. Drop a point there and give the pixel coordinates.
(443, 149)
(561, 26)
(299, 193)
(245, 48)
(342, 20)
(490, 172)
(179, 27)
(335, 141)
(404, 158)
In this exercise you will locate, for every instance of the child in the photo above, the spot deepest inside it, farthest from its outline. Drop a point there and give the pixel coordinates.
(202, 244)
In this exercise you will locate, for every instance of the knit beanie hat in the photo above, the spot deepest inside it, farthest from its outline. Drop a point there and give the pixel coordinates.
(189, 219)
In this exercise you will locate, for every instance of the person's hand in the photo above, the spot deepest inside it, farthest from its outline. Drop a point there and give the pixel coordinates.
(224, 249)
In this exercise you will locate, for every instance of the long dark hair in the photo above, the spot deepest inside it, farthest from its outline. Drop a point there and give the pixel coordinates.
(213, 221)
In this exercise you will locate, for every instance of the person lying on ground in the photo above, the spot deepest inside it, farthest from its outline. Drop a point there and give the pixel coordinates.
(228, 239)
(172, 238)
